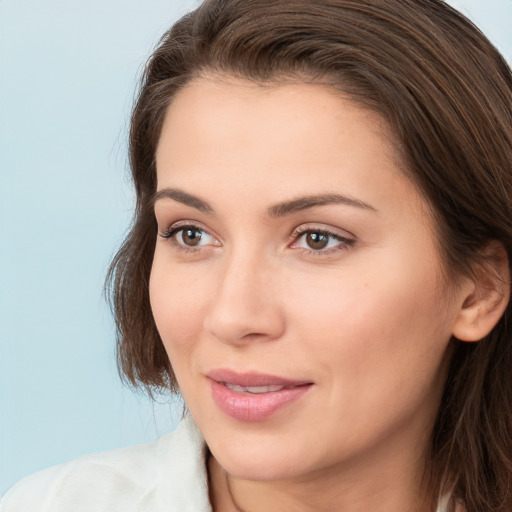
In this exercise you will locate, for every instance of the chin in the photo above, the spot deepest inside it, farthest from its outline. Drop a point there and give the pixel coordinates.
(270, 469)
(258, 460)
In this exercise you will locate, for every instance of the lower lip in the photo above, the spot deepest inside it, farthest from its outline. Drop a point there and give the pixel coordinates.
(254, 407)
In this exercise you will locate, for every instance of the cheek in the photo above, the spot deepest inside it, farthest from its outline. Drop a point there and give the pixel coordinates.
(388, 322)
(177, 306)
(372, 339)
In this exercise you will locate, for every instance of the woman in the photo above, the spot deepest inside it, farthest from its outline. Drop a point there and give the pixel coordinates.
(319, 263)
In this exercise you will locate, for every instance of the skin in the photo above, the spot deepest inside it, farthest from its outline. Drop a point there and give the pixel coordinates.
(368, 319)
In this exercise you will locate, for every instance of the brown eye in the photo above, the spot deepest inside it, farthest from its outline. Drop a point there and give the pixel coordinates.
(191, 236)
(320, 242)
(317, 241)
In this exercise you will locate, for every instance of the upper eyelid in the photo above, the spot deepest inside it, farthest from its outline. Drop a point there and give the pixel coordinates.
(320, 228)
(187, 223)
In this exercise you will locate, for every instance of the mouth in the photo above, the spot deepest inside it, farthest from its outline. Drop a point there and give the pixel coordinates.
(254, 390)
(254, 396)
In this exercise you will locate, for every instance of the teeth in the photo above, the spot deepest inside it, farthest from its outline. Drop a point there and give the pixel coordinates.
(253, 389)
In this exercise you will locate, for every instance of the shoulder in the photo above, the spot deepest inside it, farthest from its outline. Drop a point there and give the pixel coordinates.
(167, 475)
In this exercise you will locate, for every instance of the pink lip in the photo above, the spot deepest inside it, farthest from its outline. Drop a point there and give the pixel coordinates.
(253, 407)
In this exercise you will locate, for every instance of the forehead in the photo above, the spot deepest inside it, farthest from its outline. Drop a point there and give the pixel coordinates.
(237, 135)
(238, 103)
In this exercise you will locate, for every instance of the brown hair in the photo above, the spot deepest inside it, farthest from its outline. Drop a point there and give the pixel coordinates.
(446, 93)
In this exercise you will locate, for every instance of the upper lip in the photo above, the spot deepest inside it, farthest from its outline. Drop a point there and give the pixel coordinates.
(248, 379)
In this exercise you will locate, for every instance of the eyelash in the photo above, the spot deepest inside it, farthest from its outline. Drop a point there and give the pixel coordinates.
(172, 231)
(343, 242)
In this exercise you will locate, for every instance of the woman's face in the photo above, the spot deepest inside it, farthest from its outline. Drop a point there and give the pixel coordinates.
(296, 282)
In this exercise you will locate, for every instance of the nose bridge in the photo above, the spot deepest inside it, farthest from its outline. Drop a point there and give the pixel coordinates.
(245, 304)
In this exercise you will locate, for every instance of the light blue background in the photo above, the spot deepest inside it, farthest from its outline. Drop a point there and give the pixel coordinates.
(68, 71)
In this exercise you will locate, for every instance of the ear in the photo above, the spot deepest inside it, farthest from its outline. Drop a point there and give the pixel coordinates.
(484, 296)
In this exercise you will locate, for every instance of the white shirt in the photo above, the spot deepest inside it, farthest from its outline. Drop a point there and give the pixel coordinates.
(168, 475)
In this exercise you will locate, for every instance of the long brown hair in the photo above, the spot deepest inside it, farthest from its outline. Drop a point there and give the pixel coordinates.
(446, 92)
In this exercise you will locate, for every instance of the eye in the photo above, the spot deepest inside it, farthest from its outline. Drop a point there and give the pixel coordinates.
(317, 240)
(320, 241)
(188, 236)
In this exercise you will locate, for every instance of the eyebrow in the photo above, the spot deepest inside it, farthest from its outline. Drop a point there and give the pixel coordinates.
(184, 198)
(277, 210)
(307, 202)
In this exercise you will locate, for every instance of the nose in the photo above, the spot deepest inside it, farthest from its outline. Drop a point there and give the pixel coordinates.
(246, 305)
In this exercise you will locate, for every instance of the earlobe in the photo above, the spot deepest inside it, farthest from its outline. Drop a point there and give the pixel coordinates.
(485, 298)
